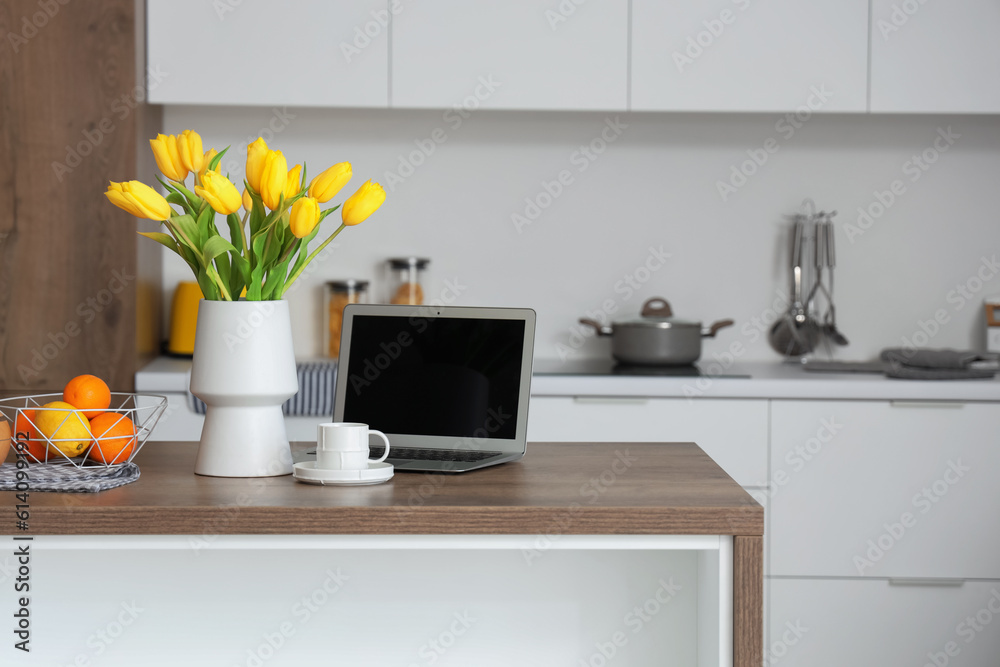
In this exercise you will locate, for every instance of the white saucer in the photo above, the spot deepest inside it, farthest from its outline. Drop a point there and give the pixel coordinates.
(376, 473)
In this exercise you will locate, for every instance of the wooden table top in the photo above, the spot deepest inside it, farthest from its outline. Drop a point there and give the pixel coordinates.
(567, 488)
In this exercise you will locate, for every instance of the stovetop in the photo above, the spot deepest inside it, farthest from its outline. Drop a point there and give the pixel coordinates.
(611, 367)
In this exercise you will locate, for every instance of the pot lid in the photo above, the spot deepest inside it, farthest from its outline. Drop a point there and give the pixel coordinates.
(657, 314)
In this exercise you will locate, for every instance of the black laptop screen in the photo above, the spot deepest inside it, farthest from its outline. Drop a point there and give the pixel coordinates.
(435, 376)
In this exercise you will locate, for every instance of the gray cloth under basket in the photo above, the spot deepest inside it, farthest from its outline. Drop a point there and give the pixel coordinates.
(68, 478)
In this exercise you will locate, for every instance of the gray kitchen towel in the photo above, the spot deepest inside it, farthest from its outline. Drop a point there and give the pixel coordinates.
(314, 398)
(60, 478)
(933, 364)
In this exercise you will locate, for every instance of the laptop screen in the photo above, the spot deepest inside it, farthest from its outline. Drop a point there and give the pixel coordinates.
(437, 376)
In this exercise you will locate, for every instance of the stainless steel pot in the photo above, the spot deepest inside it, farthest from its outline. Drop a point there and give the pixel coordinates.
(656, 338)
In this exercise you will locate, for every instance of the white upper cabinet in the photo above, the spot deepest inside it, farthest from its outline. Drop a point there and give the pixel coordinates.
(246, 52)
(749, 55)
(518, 54)
(936, 57)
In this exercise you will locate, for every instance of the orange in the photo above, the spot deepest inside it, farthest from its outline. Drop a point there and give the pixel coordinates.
(4, 439)
(24, 429)
(114, 438)
(88, 393)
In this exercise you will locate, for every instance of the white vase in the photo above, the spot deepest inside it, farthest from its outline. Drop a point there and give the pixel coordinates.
(244, 370)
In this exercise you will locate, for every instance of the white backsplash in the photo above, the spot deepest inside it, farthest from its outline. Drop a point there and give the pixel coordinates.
(649, 188)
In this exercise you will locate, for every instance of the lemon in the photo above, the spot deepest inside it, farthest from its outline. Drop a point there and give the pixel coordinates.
(67, 428)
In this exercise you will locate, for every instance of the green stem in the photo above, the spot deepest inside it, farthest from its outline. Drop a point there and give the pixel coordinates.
(310, 258)
(210, 269)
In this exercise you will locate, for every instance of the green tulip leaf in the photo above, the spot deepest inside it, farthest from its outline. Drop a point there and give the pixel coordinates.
(216, 246)
(165, 240)
(213, 164)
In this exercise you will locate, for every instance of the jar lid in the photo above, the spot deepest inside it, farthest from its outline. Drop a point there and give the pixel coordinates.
(408, 262)
(348, 285)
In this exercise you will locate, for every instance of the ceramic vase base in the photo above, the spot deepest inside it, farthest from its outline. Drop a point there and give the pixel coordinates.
(243, 442)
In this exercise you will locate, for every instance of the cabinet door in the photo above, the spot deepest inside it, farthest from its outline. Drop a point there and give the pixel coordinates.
(866, 488)
(742, 55)
(833, 623)
(298, 52)
(935, 57)
(732, 431)
(510, 55)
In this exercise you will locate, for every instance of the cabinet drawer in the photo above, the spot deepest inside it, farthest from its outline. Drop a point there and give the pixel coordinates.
(832, 623)
(866, 488)
(733, 432)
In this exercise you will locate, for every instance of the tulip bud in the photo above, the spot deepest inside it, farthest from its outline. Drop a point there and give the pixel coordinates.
(168, 157)
(191, 153)
(273, 178)
(209, 155)
(247, 201)
(219, 192)
(362, 203)
(256, 152)
(139, 199)
(326, 186)
(294, 183)
(304, 216)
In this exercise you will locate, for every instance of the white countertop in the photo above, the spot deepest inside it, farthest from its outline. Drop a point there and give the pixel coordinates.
(767, 380)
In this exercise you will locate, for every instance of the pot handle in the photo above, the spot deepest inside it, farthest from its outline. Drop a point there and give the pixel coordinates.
(599, 328)
(712, 330)
(657, 307)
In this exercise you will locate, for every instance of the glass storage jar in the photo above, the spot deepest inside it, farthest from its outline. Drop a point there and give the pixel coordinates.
(339, 293)
(405, 282)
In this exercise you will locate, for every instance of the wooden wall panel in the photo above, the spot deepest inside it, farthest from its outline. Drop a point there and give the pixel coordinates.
(71, 94)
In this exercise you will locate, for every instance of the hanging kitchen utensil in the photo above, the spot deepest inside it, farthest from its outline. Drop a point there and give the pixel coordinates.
(830, 260)
(796, 333)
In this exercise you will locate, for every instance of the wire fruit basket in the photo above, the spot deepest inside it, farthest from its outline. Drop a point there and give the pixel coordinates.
(132, 419)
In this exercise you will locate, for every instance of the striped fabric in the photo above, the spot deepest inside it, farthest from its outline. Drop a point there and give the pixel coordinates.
(60, 478)
(314, 398)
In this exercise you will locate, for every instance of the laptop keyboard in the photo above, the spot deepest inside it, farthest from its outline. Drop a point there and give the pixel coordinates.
(419, 454)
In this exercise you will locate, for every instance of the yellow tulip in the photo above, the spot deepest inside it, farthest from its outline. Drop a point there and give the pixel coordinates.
(294, 183)
(273, 179)
(207, 160)
(326, 186)
(189, 148)
(139, 199)
(256, 152)
(247, 201)
(362, 203)
(305, 215)
(219, 192)
(168, 157)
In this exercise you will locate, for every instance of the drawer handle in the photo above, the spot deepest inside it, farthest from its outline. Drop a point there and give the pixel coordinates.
(927, 404)
(925, 581)
(610, 400)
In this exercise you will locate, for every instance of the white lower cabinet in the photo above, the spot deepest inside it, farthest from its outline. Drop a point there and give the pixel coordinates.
(732, 431)
(837, 622)
(885, 489)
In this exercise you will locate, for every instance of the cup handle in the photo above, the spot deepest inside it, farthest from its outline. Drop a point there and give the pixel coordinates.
(380, 434)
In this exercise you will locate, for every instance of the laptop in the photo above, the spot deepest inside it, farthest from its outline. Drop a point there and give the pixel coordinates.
(448, 385)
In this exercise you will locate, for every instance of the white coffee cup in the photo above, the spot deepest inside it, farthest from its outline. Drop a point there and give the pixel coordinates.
(344, 446)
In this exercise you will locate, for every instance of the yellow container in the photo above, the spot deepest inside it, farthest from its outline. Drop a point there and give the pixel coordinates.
(184, 318)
